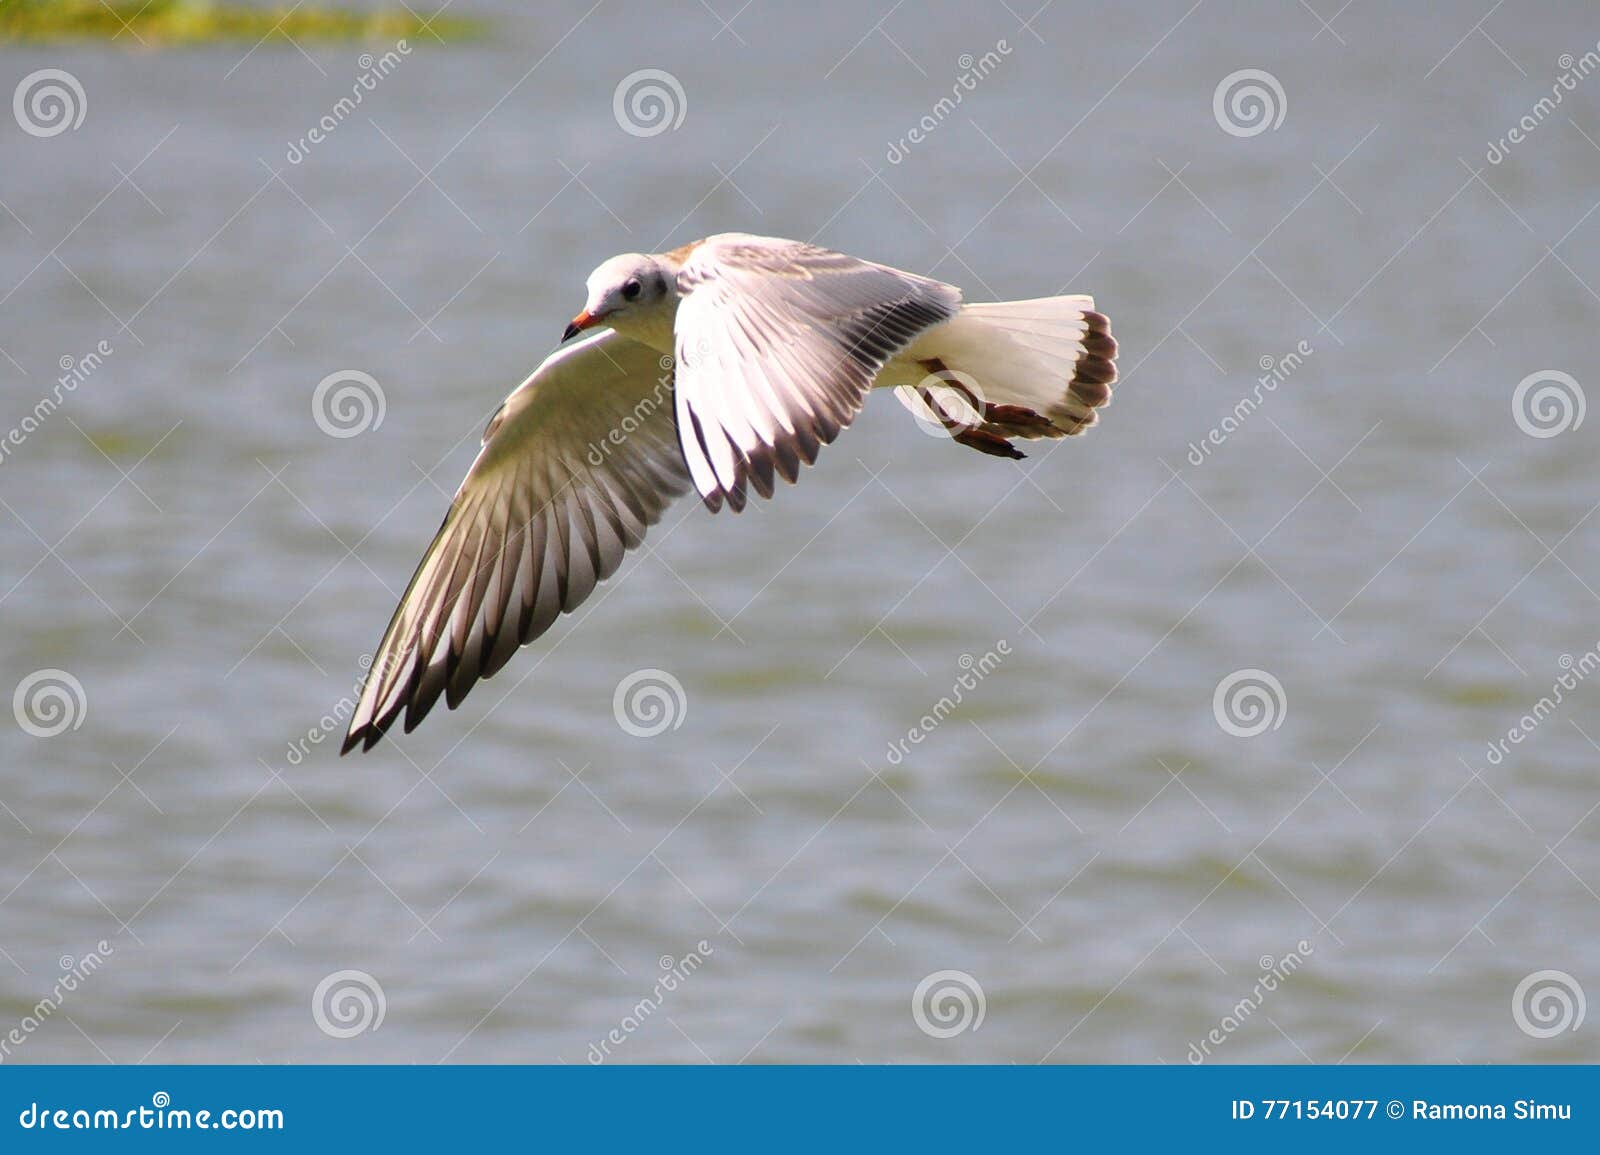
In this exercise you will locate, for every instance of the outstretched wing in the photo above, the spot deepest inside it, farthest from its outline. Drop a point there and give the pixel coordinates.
(580, 459)
(778, 343)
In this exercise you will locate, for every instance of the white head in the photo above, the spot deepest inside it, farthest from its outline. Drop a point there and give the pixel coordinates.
(627, 293)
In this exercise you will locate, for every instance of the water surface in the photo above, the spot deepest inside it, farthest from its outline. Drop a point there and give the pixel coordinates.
(1081, 837)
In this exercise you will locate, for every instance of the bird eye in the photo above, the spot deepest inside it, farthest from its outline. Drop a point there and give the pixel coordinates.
(630, 290)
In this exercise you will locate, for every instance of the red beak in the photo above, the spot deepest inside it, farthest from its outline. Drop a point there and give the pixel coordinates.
(579, 323)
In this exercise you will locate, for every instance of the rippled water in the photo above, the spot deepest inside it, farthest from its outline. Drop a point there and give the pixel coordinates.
(1081, 838)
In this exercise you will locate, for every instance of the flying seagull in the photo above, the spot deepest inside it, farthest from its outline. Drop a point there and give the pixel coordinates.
(718, 366)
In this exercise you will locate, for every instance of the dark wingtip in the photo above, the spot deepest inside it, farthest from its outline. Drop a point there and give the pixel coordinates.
(363, 736)
(366, 736)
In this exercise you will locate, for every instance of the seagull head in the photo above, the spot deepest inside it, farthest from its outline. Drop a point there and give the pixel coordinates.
(624, 293)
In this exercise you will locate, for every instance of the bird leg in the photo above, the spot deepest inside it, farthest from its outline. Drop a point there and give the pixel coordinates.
(972, 436)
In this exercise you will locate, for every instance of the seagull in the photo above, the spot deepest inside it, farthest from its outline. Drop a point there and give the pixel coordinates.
(718, 367)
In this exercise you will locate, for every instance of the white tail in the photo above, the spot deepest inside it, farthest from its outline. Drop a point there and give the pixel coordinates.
(1051, 358)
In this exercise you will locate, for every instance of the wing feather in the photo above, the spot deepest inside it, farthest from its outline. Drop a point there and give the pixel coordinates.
(580, 460)
(778, 343)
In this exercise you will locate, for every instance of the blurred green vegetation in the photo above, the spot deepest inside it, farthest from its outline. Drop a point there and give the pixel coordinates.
(157, 23)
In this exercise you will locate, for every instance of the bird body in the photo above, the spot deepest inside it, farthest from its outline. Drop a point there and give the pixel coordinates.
(722, 365)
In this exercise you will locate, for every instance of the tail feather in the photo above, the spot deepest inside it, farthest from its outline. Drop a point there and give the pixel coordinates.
(1052, 358)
